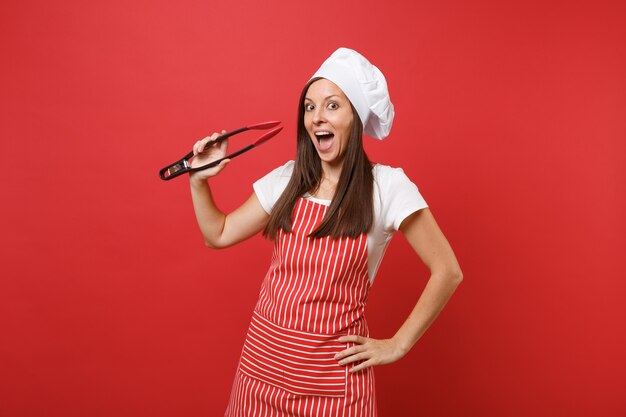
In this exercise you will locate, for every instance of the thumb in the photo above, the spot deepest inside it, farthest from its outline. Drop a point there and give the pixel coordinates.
(223, 164)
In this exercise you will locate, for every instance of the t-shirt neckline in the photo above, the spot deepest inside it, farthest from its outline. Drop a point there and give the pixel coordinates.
(308, 196)
(317, 200)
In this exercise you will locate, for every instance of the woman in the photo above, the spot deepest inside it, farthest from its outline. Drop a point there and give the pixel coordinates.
(331, 214)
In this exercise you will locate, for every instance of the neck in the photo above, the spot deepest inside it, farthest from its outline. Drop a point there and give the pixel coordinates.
(328, 182)
(331, 173)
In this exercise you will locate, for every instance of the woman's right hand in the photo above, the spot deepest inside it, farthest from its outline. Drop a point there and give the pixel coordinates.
(205, 152)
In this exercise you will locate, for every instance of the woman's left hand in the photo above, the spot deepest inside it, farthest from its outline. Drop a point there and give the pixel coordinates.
(370, 351)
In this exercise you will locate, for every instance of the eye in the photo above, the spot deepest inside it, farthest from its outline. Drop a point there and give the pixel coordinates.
(308, 107)
(333, 106)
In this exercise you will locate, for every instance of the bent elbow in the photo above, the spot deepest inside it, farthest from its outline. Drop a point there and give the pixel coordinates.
(216, 244)
(456, 276)
(212, 245)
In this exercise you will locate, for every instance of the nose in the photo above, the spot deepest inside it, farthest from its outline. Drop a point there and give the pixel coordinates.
(318, 116)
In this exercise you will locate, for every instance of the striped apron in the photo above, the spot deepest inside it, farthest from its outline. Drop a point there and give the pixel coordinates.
(314, 292)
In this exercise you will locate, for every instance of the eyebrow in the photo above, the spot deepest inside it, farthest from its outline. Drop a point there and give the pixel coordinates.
(325, 98)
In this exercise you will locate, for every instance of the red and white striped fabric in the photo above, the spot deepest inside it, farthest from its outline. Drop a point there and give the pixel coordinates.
(314, 292)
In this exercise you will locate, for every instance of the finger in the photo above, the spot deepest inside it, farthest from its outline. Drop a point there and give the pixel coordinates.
(206, 141)
(221, 145)
(362, 365)
(218, 168)
(196, 147)
(213, 136)
(353, 338)
(217, 135)
(224, 145)
(355, 358)
(350, 351)
(222, 165)
(202, 144)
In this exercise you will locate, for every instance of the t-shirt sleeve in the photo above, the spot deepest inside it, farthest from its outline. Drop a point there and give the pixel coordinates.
(401, 198)
(269, 188)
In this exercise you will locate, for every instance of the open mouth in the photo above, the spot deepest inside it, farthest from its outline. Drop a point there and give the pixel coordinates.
(324, 140)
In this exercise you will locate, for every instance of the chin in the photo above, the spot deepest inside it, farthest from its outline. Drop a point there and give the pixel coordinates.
(331, 159)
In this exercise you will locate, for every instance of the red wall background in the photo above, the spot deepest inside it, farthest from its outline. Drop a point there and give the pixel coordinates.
(511, 118)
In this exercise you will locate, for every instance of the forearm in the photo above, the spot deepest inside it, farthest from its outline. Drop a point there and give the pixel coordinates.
(210, 219)
(436, 294)
(381, 351)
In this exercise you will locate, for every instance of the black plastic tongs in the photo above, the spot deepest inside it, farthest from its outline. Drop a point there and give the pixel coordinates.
(182, 166)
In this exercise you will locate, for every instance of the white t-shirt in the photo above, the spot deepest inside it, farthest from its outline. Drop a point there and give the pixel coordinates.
(395, 198)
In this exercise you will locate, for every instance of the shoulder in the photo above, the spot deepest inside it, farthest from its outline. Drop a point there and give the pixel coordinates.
(395, 196)
(386, 170)
(385, 175)
(279, 173)
(287, 169)
(269, 188)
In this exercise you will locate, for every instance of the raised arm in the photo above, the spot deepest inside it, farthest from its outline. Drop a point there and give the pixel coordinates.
(221, 230)
(425, 237)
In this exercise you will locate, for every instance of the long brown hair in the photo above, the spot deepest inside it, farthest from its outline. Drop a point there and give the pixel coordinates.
(351, 210)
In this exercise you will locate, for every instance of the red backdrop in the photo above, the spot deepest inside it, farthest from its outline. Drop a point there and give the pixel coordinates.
(510, 118)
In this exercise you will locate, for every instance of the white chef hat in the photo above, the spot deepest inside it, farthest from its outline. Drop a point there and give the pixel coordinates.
(365, 86)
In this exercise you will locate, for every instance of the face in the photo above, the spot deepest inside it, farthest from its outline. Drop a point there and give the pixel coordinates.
(328, 119)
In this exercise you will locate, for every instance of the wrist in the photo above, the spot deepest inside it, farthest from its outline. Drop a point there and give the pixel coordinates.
(402, 345)
(197, 180)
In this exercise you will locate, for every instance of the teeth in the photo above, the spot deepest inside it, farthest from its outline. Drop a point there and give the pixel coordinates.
(322, 134)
